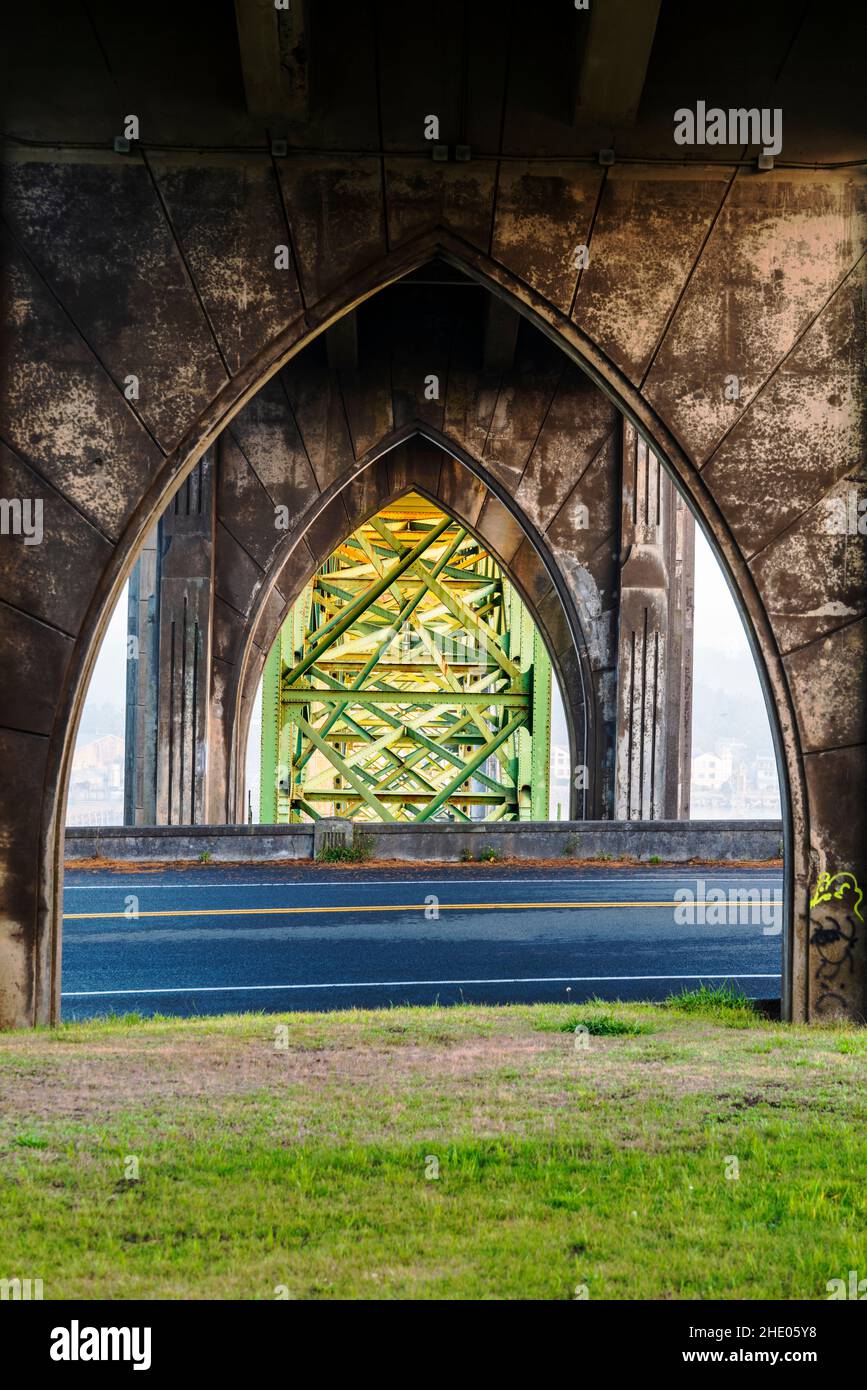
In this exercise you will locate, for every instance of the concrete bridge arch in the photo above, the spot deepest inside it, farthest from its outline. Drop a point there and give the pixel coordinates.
(418, 464)
(144, 457)
(542, 439)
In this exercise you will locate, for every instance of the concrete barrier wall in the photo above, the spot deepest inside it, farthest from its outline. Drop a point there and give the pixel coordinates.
(171, 843)
(669, 840)
(677, 840)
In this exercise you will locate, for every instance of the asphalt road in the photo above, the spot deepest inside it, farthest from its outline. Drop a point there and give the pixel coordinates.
(216, 940)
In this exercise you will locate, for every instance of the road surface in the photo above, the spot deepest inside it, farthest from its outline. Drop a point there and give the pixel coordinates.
(215, 940)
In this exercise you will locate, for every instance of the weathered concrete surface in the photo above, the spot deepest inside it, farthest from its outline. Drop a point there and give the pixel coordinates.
(169, 665)
(141, 739)
(533, 448)
(186, 605)
(421, 465)
(654, 711)
(330, 832)
(172, 844)
(129, 265)
(670, 840)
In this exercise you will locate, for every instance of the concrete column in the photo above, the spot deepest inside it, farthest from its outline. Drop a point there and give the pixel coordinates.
(654, 659)
(681, 622)
(142, 682)
(186, 546)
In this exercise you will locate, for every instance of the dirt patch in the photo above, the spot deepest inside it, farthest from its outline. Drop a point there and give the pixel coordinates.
(566, 862)
(100, 1079)
(98, 864)
(91, 1082)
(128, 866)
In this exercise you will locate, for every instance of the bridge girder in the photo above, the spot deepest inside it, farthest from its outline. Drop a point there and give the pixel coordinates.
(407, 665)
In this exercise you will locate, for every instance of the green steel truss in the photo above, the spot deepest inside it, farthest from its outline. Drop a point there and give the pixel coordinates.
(408, 683)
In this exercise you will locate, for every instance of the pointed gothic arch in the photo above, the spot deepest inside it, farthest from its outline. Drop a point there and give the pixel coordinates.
(32, 993)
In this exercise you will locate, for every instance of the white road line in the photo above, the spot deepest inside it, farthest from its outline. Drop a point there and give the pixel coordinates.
(396, 882)
(406, 984)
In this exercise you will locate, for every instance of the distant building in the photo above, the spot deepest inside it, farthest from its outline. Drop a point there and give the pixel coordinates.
(729, 784)
(96, 783)
(99, 752)
(766, 774)
(711, 771)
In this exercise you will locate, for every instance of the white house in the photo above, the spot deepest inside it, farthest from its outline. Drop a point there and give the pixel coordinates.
(710, 771)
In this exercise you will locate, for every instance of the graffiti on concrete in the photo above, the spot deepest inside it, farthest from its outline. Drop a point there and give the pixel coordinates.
(834, 933)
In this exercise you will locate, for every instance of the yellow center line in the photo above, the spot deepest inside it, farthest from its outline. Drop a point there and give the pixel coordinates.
(366, 907)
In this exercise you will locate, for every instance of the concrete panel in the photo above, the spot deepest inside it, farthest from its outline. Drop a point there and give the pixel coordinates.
(461, 492)
(524, 401)
(243, 505)
(31, 681)
(226, 214)
(646, 238)
(532, 576)
(830, 690)
(229, 632)
(267, 434)
(499, 529)
(238, 576)
(336, 218)
(367, 400)
(813, 579)
(576, 427)
(25, 957)
(549, 611)
(470, 403)
(420, 331)
(420, 195)
(324, 534)
(62, 413)
(295, 569)
(415, 464)
(52, 580)
(803, 433)
(320, 415)
(539, 220)
(835, 782)
(370, 491)
(276, 604)
(110, 282)
(591, 511)
(780, 247)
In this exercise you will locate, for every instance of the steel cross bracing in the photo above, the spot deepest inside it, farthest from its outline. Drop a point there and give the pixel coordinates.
(409, 682)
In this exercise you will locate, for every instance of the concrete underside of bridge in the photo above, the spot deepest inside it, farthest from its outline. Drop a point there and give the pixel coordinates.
(156, 298)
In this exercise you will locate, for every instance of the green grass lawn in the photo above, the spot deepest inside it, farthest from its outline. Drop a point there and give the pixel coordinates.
(598, 1161)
